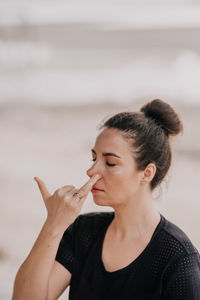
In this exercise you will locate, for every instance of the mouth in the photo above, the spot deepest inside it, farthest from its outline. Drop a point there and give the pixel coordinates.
(95, 190)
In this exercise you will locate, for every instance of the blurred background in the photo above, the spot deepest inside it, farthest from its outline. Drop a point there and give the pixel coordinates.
(64, 67)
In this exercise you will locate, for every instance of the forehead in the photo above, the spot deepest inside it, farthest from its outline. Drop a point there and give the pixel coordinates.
(111, 140)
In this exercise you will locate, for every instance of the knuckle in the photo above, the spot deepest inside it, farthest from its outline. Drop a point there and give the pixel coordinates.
(59, 193)
(66, 198)
(82, 193)
(63, 190)
(69, 187)
(55, 193)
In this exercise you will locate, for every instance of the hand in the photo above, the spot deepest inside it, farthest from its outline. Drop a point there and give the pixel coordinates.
(63, 207)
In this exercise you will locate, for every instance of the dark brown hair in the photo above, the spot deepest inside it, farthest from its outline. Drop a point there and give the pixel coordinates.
(149, 131)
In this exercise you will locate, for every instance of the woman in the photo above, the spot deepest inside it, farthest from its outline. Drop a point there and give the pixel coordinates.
(133, 252)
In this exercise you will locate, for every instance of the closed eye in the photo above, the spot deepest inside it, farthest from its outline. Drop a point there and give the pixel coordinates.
(110, 165)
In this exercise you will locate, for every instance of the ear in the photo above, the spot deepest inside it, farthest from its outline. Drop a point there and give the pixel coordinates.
(148, 173)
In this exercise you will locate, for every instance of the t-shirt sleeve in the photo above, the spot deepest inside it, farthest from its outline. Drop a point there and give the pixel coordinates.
(183, 281)
(66, 250)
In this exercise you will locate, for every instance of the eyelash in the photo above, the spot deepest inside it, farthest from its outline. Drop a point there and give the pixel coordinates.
(110, 165)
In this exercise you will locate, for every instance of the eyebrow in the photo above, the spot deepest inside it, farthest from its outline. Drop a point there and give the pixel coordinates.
(107, 153)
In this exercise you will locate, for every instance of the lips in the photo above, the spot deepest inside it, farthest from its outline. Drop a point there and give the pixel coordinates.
(95, 188)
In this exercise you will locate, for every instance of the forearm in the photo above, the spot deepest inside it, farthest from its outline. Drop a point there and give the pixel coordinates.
(31, 282)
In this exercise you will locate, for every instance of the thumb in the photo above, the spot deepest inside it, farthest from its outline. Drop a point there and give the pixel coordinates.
(45, 193)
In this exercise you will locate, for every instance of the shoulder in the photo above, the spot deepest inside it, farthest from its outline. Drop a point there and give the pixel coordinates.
(87, 230)
(98, 214)
(94, 221)
(181, 273)
(88, 225)
(177, 240)
(176, 251)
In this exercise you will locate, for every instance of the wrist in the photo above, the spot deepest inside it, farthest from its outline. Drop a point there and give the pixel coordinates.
(52, 229)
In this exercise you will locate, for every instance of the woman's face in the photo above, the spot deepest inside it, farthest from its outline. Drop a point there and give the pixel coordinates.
(119, 181)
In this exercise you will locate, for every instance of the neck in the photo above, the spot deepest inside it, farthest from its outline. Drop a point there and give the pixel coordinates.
(136, 218)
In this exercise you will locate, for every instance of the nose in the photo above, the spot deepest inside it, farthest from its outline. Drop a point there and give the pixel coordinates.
(93, 170)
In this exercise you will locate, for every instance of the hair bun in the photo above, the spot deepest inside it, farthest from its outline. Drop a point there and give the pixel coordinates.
(164, 115)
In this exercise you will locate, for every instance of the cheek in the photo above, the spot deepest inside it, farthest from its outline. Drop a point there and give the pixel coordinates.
(119, 178)
(125, 179)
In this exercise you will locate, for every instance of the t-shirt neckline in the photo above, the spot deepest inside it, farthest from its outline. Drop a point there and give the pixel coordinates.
(137, 259)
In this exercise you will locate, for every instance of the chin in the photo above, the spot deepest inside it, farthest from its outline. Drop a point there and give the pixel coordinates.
(100, 202)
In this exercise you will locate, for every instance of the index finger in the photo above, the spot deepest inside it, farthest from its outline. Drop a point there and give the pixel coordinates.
(84, 190)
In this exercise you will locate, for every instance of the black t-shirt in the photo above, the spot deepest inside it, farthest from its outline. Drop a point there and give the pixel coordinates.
(167, 269)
